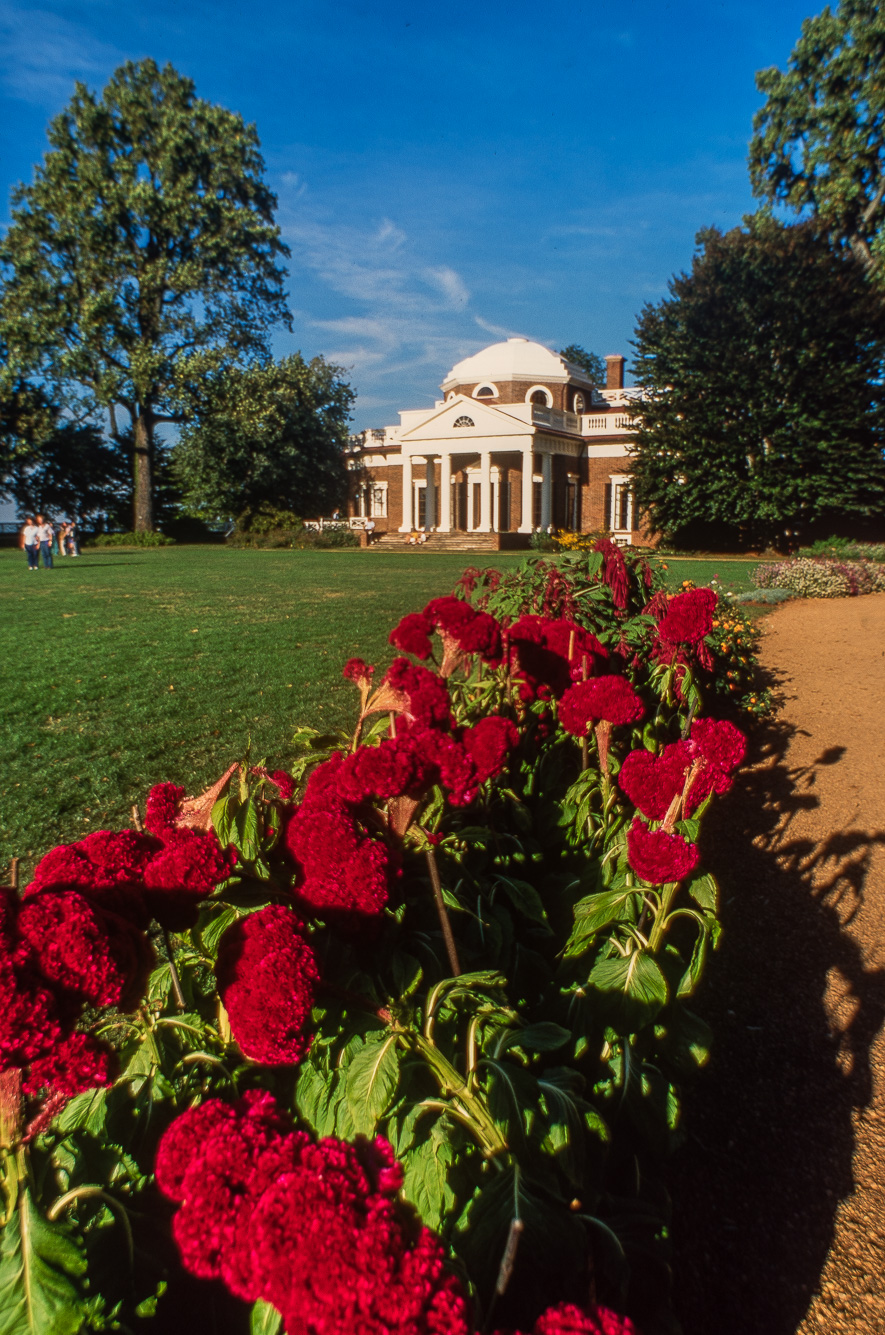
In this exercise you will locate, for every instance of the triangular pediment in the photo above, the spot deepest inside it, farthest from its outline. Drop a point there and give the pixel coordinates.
(488, 420)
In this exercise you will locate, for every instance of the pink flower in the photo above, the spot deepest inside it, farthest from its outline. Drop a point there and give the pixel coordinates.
(267, 979)
(285, 784)
(161, 808)
(659, 857)
(412, 635)
(652, 782)
(610, 698)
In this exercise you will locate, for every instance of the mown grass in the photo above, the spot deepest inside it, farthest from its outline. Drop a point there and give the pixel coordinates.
(126, 668)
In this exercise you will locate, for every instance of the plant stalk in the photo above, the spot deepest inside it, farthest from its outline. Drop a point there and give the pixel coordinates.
(445, 924)
(668, 894)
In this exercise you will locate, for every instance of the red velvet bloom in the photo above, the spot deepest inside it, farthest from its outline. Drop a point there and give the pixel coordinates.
(394, 768)
(564, 1319)
(186, 869)
(107, 865)
(651, 782)
(422, 695)
(162, 806)
(610, 698)
(720, 747)
(82, 951)
(547, 655)
(267, 979)
(658, 857)
(285, 784)
(344, 870)
(412, 635)
(313, 1228)
(689, 617)
(464, 630)
(75, 1064)
(489, 744)
(356, 670)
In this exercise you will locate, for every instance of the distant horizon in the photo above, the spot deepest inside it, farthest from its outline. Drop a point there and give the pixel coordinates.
(445, 185)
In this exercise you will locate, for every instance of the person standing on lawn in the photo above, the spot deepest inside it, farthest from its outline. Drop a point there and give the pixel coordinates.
(45, 533)
(30, 542)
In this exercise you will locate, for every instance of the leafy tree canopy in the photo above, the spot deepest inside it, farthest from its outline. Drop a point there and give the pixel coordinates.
(588, 361)
(76, 473)
(271, 433)
(143, 256)
(819, 142)
(763, 409)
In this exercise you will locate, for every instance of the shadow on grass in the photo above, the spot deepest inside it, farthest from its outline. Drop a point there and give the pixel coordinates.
(770, 1137)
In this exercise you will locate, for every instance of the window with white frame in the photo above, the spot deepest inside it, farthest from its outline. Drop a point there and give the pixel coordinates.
(621, 518)
(372, 501)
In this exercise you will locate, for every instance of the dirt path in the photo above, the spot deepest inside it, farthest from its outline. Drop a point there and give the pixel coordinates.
(780, 1194)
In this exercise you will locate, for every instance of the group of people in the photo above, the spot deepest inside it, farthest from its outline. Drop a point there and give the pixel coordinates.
(39, 537)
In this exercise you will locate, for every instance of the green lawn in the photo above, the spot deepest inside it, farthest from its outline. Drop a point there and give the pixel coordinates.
(125, 668)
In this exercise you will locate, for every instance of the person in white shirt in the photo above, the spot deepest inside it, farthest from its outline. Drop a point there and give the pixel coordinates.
(45, 533)
(31, 543)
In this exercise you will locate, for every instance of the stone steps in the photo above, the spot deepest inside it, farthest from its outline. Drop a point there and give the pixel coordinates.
(449, 542)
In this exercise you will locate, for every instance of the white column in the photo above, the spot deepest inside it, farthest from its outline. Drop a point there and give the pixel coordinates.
(445, 493)
(485, 492)
(406, 525)
(528, 490)
(430, 494)
(546, 490)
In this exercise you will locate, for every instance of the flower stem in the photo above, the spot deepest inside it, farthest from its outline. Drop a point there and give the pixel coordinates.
(451, 949)
(470, 1104)
(668, 894)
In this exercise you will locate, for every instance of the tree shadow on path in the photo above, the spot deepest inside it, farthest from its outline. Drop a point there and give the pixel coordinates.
(770, 1140)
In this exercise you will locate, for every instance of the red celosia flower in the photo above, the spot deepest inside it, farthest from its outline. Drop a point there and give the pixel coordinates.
(614, 570)
(344, 871)
(170, 809)
(610, 698)
(285, 784)
(186, 869)
(463, 631)
(394, 768)
(652, 782)
(415, 692)
(313, 1228)
(75, 1064)
(107, 865)
(412, 635)
(489, 744)
(689, 617)
(81, 950)
(449, 614)
(564, 1319)
(717, 748)
(267, 978)
(355, 669)
(547, 655)
(658, 857)
(161, 807)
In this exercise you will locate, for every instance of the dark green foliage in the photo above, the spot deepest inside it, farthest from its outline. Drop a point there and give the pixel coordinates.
(270, 434)
(763, 410)
(819, 143)
(590, 362)
(75, 471)
(143, 256)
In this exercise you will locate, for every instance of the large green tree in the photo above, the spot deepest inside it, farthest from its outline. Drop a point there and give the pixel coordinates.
(268, 434)
(76, 471)
(819, 142)
(143, 256)
(590, 362)
(763, 404)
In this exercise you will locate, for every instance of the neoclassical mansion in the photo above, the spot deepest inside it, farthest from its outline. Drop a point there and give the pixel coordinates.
(520, 440)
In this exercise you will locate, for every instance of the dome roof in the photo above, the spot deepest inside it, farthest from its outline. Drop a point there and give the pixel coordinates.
(515, 359)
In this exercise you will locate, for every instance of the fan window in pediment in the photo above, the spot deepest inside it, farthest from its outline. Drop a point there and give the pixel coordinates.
(463, 421)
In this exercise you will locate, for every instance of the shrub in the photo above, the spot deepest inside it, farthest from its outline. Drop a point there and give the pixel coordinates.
(820, 577)
(845, 549)
(150, 539)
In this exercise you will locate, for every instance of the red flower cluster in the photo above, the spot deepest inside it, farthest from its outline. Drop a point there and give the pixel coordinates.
(58, 953)
(706, 761)
(412, 635)
(488, 744)
(463, 630)
(267, 978)
(658, 856)
(344, 871)
(140, 876)
(313, 1228)
(418, 694)
(546, 656)
(610, 698)
(567, 1320)
(689, 617)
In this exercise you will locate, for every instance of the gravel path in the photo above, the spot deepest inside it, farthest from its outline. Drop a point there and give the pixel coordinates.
(780, 1191)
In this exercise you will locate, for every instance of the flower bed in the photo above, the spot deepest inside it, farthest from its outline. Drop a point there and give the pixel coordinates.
(398, 1035)
(821, 577)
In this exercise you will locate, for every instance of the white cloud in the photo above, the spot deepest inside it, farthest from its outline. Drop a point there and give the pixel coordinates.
(43, 54)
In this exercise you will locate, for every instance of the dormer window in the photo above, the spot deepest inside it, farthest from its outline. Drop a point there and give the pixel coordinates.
(463, 421)
(579, 403)
(485, 392)
(541, 398)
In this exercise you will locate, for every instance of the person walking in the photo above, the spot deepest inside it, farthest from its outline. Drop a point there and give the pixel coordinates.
(30, 542)
(45, 533)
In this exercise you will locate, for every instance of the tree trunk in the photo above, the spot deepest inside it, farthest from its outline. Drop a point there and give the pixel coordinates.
(143, 479)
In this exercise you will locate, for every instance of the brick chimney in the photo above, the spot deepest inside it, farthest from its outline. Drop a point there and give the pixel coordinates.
(614, 371)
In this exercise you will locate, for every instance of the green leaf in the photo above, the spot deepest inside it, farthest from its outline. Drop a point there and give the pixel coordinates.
(704, 891)
(542, 1037)
(87, 1110)
(372, 1078)
(524, 897)
(693, 974)
(632, 988)
(425, 1184)
(687, 1039)
(247, 828)
(597, 911)
(264, 1319)
(215, 929)
(41, 1265)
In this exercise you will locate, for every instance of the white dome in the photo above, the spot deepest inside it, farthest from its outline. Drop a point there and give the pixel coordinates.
(516, 359)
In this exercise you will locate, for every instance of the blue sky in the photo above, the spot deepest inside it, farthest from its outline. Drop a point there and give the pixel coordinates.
(447, 175)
